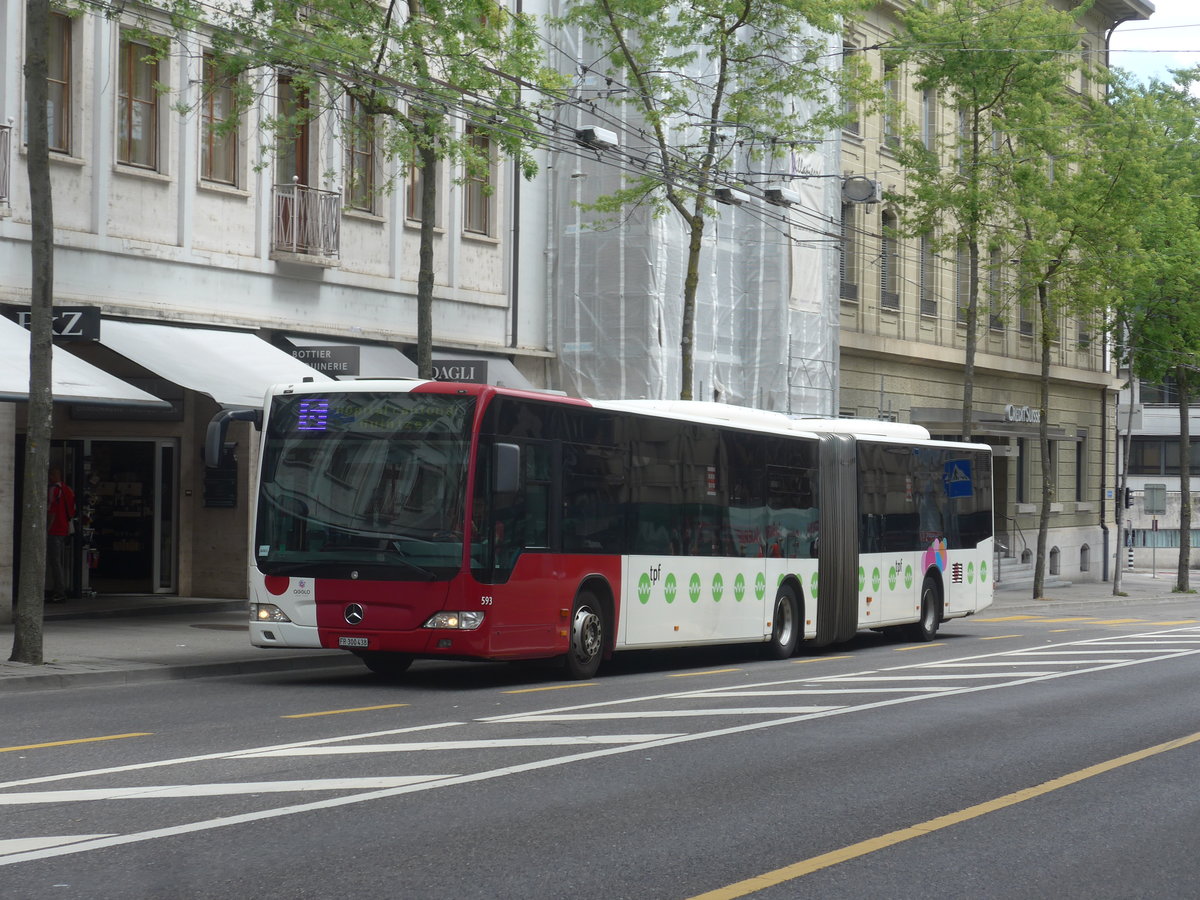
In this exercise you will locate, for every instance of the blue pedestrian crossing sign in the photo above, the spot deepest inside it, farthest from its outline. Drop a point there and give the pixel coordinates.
(957, 477)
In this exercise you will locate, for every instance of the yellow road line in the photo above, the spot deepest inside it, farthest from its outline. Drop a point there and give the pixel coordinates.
(338, 712)
(1180, 622)
(553, 687)
(107, 737)
(801, 662)
(921, 646)
(1067, 619)
(1000, 637)
(1116, 621)
(709, 672)
(1008, 619)
(862, 848)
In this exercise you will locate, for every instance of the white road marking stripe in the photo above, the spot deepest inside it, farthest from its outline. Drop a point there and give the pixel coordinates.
(717, 693)
(22, 845)
(857, 678)
(672, 713)
(997, 664)
(1087, 651)
(158, 792)
(458, 745)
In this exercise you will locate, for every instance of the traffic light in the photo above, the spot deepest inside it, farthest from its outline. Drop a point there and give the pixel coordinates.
(1128, 498)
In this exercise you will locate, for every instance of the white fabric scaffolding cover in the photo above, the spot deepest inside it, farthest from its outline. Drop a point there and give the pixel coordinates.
(766, 305)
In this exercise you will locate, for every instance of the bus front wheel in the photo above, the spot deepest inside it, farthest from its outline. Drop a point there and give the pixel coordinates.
(926, 627)
(386, 665)
(785, 624)
(588, 635)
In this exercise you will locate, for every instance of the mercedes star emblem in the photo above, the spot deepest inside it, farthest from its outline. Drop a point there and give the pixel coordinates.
(353, 614)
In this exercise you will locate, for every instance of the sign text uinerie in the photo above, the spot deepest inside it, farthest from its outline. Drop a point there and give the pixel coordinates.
(335, 360)
(70, 323)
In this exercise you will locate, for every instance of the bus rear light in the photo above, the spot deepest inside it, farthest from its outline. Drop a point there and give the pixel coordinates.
(267, 612)
(461, 621)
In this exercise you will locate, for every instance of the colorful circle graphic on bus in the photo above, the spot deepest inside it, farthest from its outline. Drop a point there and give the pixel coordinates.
(892, 575)
(983, 571)
(669, 587)
(970, 573)
(644, 588)
(812, 585)
(760, 585)
(739, 587)
(694, 588)
(908, 576)
(862, 578)
(935, 556)
(718, 587)
(876, 579)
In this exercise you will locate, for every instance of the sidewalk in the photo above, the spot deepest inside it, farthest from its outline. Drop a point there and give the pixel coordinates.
(124, 640)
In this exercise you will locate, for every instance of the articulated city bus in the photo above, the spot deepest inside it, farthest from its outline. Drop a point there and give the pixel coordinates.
(415, 519)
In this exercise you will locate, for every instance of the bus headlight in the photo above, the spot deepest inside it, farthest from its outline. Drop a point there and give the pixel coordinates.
(267, 612)
(461, 621)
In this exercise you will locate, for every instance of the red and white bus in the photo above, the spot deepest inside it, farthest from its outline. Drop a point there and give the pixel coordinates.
(417, 519)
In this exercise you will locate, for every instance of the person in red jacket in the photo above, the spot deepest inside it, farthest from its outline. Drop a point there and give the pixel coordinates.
(60, 516)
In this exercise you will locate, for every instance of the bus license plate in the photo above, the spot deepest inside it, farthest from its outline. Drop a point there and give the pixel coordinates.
(353, 642)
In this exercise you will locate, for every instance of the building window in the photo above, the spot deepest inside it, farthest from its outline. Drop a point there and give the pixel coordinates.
(1055, 561)
(360, 159)
(1164, 394)
(1022, 467)
(1081, 467)
(291, 132)
(996, 291)
(412, 195)
(58, 83)
(926, 277)
(889, 264)
(929, 118)
(218, 133)
(1159, 456)
(477, 189)
(891, 106)
(962, 283)
(1026, 323)
(848, 258)
(137, 105)
(852, 125)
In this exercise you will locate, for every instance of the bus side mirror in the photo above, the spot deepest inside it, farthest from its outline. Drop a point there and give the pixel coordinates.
(214, 438)
(506, 468)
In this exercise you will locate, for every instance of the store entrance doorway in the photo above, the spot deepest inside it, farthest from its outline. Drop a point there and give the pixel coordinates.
(131, 496)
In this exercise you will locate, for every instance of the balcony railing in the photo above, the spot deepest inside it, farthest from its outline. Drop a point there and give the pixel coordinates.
(5, 163)
(307, 221)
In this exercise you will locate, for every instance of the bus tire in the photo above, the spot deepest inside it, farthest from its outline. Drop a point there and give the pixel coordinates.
(589, 635)
(926, 628)
(785, 624)
(384, 664)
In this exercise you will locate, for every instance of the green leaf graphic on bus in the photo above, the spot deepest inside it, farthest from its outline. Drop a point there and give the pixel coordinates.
(669, 588)
(908, 576)
(694, 588)
(983, 571)
(718, 587)
(813, 584)
(892, 578)
(876, 579)
(862, 578)
(970, 573)
(644, 588)
(739, 587)
(760, 585)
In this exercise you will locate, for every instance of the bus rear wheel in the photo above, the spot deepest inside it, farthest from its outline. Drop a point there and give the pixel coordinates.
(386, 665)
(926, 628)
(588, 637)
(785, 624)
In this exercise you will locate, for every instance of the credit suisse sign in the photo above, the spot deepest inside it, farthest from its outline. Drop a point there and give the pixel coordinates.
(1014, 413)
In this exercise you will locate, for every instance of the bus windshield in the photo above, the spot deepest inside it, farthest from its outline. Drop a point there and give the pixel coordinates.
(371, 481)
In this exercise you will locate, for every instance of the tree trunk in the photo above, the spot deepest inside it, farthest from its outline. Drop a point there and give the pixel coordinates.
(429, 161)
(27, 631)
(1182, 377)
(1123, 482)
(691, 281)
(968, 411)
(1039, 571)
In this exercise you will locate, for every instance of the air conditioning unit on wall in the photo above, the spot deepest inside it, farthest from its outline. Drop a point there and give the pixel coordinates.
(860, 189)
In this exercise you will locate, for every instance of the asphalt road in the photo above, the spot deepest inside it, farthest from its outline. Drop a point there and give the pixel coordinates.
(1020, 755)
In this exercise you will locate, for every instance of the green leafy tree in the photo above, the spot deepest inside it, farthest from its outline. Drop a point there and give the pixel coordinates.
(408, 76)
(965, 52)
(716, 82)
(1158, 311)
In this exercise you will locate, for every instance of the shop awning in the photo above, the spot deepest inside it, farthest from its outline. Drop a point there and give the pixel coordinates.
(235, 368)
(499, 371)
(73, 380)
(374, 360)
